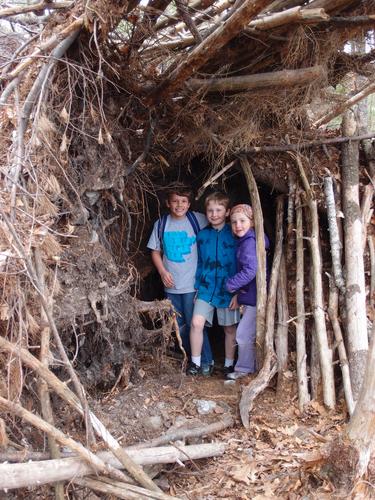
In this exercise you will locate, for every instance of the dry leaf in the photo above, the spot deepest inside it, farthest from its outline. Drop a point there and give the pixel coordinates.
(64, 144)
(100, 137)
(245, 473)
(64, 115)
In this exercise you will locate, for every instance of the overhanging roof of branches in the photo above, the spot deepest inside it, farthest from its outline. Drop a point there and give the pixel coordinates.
(221, 71)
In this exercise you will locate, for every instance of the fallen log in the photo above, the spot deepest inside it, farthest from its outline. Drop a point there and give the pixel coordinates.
(285, 78)
(64, 469)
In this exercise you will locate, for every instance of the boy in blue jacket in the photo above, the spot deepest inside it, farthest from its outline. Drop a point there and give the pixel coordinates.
(216, 263)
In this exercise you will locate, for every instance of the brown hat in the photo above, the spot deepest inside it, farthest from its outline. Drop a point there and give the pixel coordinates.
(244, 209)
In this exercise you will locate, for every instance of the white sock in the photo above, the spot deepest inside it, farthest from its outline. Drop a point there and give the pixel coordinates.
(196, 360)
(228, 362)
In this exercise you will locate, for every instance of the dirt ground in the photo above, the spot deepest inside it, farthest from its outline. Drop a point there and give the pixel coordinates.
(277, 457)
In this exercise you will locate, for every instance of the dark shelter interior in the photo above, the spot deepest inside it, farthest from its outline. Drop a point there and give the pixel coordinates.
(233, 183)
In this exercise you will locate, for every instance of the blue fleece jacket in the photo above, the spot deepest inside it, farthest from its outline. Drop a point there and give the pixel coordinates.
(216, 263)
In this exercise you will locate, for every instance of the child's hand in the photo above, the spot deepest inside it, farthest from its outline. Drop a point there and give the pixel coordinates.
(167, 279)
(234, 303)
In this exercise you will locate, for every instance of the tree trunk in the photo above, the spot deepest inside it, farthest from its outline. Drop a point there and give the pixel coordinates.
(350, 453)
(355, 283)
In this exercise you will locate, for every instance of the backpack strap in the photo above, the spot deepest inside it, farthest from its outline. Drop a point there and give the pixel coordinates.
(193, 221)
(162, 222)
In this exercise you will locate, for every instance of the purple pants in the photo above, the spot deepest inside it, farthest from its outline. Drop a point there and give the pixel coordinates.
(245, 338)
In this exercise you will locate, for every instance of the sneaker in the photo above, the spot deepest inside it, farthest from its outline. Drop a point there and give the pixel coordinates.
(236, 375)
(228, 369)
(193, 370)
(206, 370)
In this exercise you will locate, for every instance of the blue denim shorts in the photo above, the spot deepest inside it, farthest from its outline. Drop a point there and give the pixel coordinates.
(225, 316)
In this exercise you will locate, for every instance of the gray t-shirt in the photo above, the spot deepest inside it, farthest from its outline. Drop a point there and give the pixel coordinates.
(179, 250)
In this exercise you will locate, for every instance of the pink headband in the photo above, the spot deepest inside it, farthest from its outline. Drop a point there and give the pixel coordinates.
(243, 209)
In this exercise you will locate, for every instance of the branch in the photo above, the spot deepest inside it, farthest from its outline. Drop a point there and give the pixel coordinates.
(204, 51)
(67, 395)
(23, 9)
(39, 423)
(285, 78)
(343, 106)
(37, 473)
(304, 145)
(55, 39)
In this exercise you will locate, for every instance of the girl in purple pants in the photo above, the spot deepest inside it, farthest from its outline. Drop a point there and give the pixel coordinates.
(243, 283)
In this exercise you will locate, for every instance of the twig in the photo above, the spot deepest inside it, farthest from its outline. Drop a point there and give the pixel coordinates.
(49, 429)
(212, 179)
(64, 392)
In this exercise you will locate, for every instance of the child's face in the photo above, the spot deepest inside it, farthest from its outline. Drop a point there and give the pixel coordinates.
(216, 214)
(178, 206)
(240, 224)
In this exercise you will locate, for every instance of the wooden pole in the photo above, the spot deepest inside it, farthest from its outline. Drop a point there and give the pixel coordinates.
(355, 297)
(281, 338)
(269, 367)
(261, 276)
(303, 391)
(325, 352)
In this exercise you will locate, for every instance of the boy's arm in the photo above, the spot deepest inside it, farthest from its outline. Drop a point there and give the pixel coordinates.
(165, 276)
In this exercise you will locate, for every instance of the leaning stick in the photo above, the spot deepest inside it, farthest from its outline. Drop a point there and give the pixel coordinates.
(45, 401)
(261, 258)
(344, 364)
(277, 148)
(65, 393)
(269, 367)
(17, 244)
(325, 352)
(94, 461)
(366, 210)
(27, 109)
(212, 179)
(303, 390)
